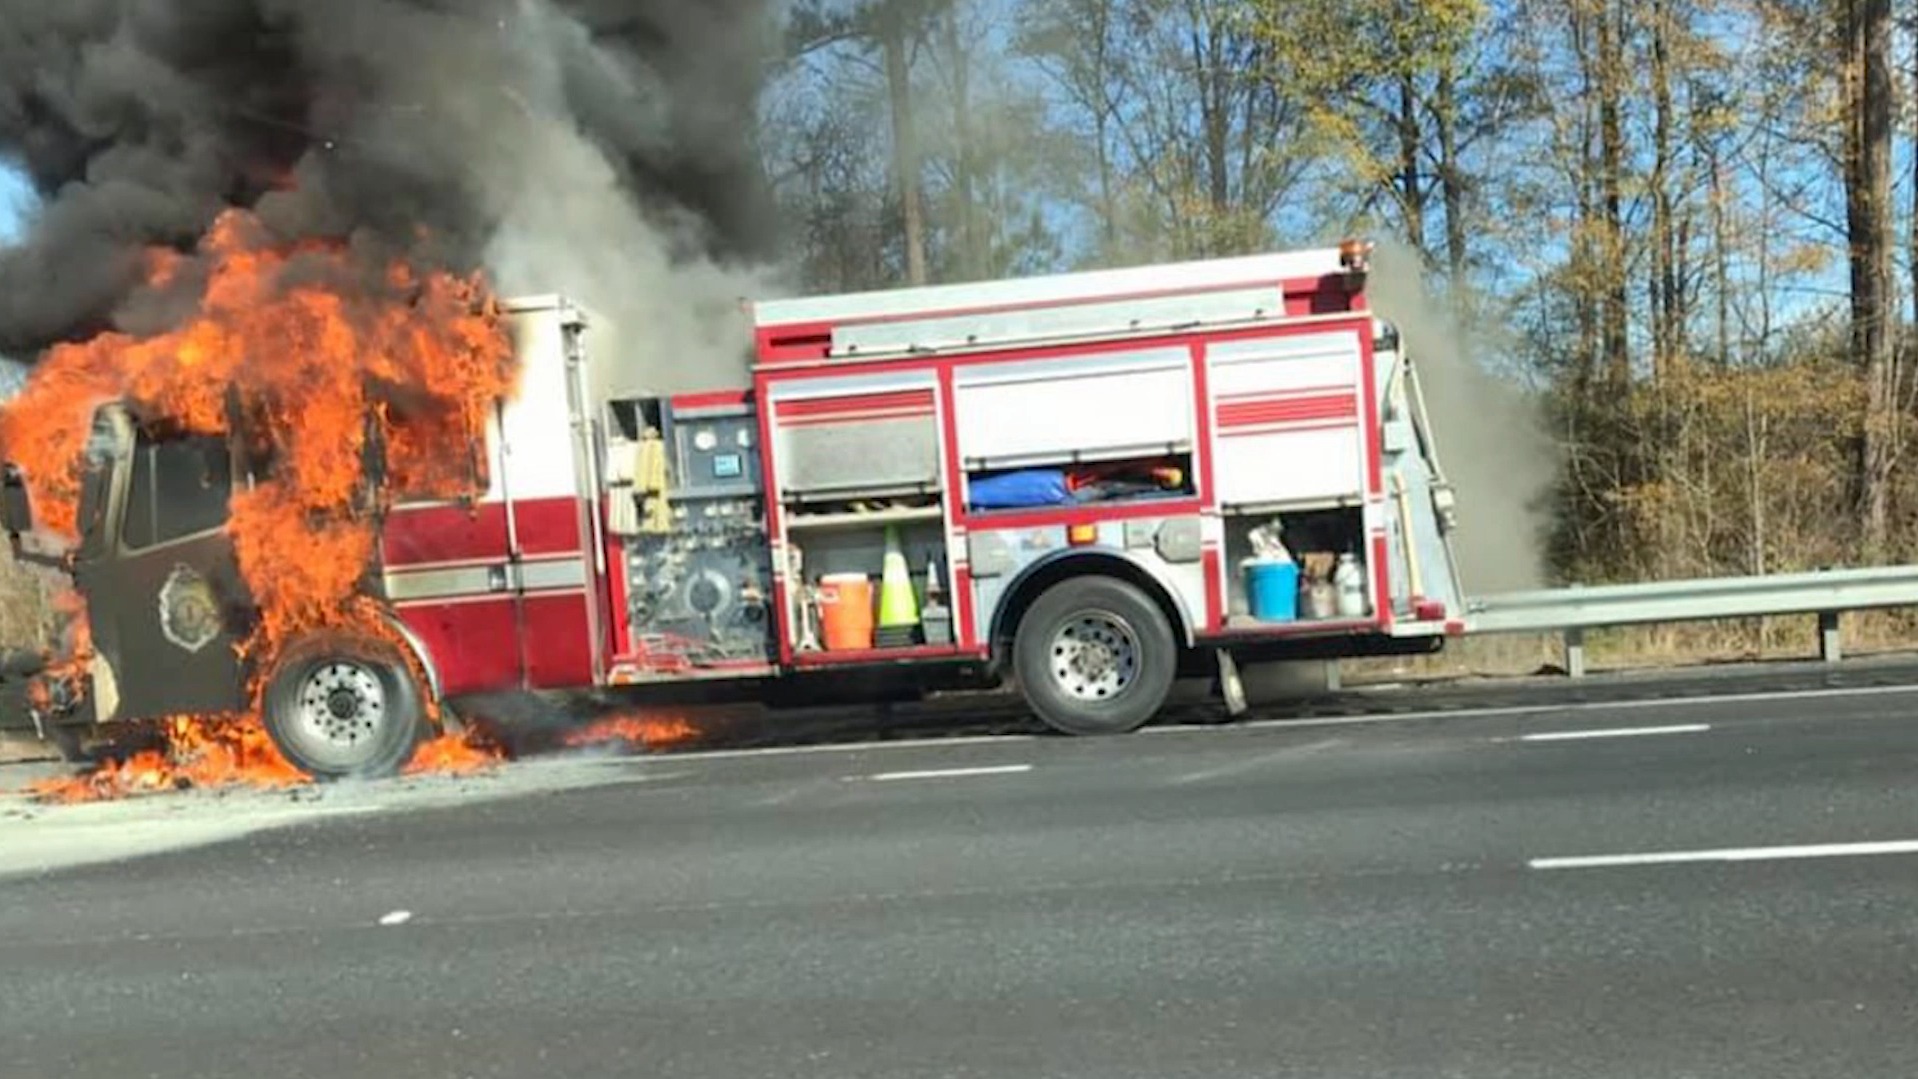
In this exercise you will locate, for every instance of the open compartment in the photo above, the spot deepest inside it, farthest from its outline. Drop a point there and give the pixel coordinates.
(1329, 582)
(1097, 428)
(868, 582)
(863, 515)
(858, 566)
(1074, 480)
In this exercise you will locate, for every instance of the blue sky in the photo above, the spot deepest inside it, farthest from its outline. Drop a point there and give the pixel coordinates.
(14, 199)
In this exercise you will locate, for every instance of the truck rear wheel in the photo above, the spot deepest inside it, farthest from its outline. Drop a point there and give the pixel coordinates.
(340, 707)
(1094, 655)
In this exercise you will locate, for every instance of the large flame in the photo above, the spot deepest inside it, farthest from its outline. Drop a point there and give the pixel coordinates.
(318, 356)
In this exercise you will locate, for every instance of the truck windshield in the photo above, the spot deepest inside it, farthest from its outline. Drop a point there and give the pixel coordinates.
(177, 488)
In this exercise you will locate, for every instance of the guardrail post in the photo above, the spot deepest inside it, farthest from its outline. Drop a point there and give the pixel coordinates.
(1332, 684)
(1830, 644)
(1575, 653)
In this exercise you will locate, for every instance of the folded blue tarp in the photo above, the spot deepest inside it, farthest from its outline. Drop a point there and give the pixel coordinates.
(1015, 490)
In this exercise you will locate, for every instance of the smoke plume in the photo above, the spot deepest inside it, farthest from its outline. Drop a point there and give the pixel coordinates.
(1489, 435)
(599, 148)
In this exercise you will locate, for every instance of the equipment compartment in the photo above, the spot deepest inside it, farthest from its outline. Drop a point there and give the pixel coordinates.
(685, 515)
(1315, 539)
(904, 611)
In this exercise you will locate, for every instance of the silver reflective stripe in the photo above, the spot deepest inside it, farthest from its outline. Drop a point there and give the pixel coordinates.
(405, 585)
(500, 578)
(548, 575)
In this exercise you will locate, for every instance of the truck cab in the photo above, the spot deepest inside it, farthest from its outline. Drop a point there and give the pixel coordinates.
(165, 612)
(164, 604)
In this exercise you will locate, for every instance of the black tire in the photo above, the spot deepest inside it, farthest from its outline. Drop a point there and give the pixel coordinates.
(1097, 691)
(343, 707)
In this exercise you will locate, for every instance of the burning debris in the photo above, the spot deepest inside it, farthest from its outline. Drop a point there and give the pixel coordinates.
(632, 732)
(214, 753)
(225, 752)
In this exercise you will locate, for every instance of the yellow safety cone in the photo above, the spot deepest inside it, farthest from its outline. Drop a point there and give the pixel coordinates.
(898, 606)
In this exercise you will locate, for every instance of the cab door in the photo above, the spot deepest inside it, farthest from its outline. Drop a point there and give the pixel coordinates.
(162, 585)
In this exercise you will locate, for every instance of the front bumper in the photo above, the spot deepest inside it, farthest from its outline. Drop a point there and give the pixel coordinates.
(31, 699)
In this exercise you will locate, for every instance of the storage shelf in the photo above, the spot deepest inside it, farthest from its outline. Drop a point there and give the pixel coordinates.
(1246, 624)
(797, 522)
(1309, 505)
(878, 655)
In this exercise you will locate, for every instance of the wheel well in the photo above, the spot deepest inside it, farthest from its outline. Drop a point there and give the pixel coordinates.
(1092, 563)
(405, 645)
(411, 643)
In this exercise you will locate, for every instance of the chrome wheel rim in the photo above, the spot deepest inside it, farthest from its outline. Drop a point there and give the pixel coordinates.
(1094, 656)
(339, 711)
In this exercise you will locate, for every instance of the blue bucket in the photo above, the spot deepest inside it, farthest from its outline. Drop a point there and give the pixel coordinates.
(1272, 589)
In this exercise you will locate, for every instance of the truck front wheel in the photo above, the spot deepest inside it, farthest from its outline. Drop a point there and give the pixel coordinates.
(1094, 655)
(340, 707)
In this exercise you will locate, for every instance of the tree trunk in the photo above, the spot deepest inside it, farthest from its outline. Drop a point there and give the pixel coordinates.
(1664, 254)
(1867, 79)
(1215, 116)
(1451, 182)
(1611, 150)
(1102, 132)
(1721, 260)
(1912, 253)
(1584, 249)
(1411, 186)
(972, 261)
(905, 153)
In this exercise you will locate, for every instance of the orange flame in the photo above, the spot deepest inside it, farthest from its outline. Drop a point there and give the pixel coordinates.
(455, 754)
(646, 732)
(317, 356)
(217, 753)
(199, 752)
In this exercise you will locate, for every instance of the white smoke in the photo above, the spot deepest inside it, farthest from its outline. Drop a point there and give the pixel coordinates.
(1490, 435)
(569, 224)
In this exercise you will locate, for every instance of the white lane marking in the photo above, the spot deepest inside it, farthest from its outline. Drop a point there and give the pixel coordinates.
(398, 917)
(1301, 724)
(1587, 706)
(948, 773)
(839, 747)
(1730, 854)
(1615, 732)
(1251, 763)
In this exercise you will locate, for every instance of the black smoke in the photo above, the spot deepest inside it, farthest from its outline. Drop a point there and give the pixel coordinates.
(393, 124)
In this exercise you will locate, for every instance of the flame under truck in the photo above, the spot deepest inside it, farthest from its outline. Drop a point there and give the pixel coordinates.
(1061, 482)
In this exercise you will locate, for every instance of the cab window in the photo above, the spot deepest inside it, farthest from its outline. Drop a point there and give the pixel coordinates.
(177, 488)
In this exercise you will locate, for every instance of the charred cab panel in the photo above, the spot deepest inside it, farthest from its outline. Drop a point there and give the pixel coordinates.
(164, 597)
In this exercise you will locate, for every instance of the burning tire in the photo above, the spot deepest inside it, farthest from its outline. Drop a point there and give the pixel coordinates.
(1095, 655)
(341, 707)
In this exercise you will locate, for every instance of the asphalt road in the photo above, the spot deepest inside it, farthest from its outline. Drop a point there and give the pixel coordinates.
(1372, 896)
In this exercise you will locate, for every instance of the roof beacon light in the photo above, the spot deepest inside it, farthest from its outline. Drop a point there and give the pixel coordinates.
(1355, 256)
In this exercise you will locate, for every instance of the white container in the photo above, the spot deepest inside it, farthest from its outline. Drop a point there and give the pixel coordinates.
(1349, 580)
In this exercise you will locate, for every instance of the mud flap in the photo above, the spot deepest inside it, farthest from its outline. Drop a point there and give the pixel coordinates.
(1231, 689)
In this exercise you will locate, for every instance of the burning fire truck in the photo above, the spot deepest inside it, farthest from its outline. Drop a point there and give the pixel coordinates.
(1088, 484)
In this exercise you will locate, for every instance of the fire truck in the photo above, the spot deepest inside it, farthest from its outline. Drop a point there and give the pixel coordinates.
(1087, 485)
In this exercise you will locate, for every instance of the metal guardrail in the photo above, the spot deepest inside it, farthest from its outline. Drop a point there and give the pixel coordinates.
(1572, 610)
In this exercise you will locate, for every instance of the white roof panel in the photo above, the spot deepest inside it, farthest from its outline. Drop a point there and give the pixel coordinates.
(1050, 289)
